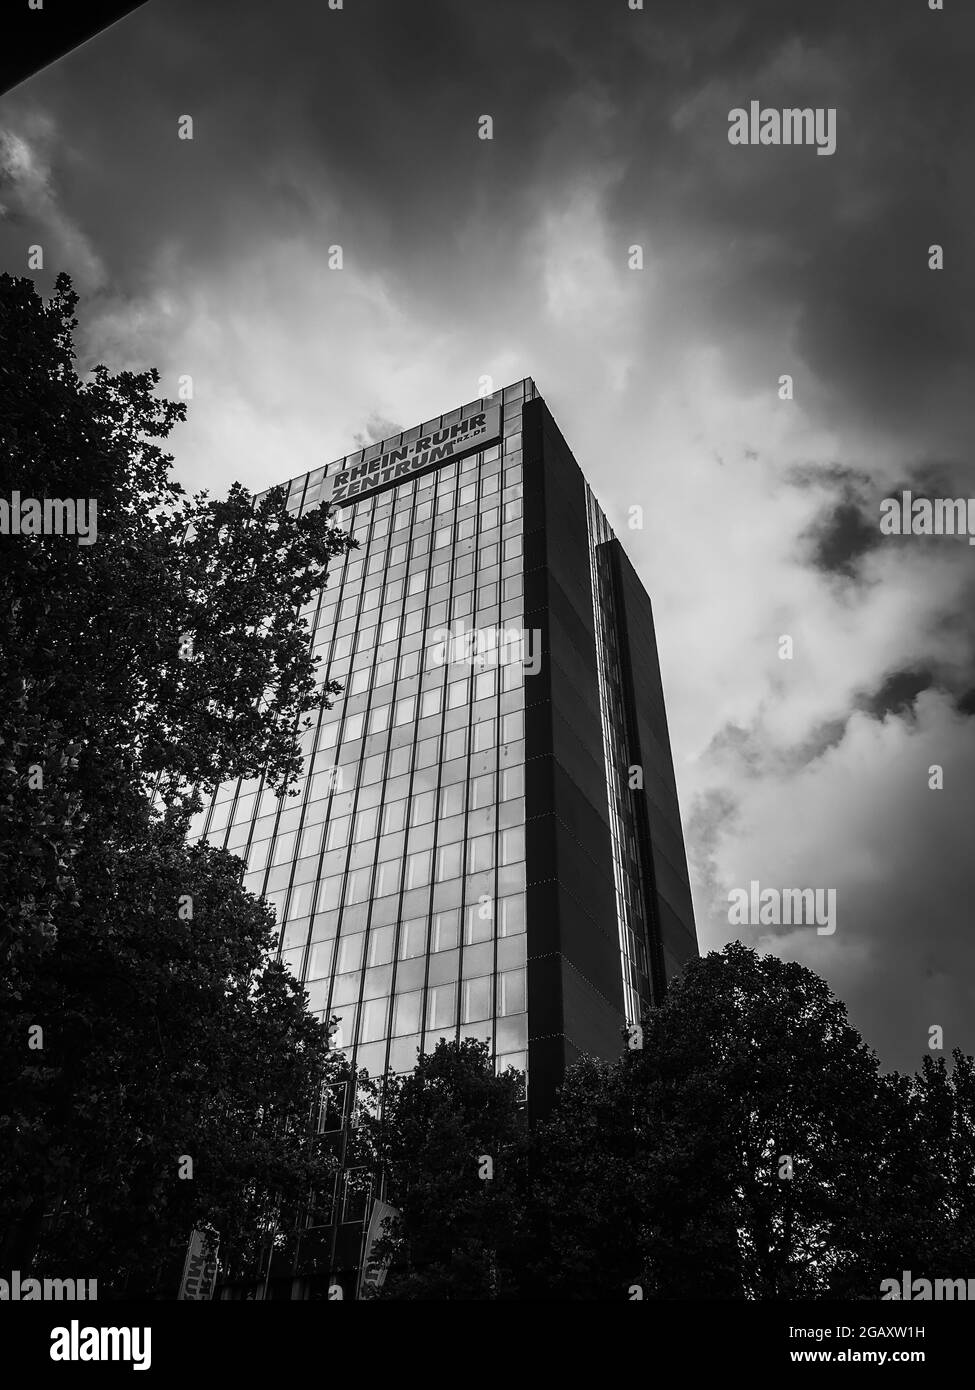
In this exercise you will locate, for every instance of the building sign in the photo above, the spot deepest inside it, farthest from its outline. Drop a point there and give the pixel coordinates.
(199, 1272)
(373, 1269)
(452, 442)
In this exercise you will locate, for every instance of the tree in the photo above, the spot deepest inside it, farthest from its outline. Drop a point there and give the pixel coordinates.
(450, 1138)
(940, 1201)
(179, 1072)
(749, 1148)
(171, 647)
(170, 653)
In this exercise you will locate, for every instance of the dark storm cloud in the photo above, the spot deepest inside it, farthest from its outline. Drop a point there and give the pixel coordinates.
(898, 694)
(847, 527)
(361, 123)
(841, 537)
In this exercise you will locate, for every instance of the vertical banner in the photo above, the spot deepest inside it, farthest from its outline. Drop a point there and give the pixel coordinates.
(199, 1272)
(373, 1270)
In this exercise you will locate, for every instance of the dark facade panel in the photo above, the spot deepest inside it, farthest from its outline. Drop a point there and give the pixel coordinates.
(592, 1018)
(660, 816)
(570, 793)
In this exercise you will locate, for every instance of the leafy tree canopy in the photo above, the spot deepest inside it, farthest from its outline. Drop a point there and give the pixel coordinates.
(169, 653)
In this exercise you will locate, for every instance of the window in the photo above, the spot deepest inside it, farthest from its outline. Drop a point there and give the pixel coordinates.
(412, 938)
(513, 845)
(449, 862)
(512, 914)
(331, 1107)
(406, 1013)
(394, 816)
(329, 893)
(477, 999)
(358, 1190)
(381, 945)
(357, 886)
(480, 853)
(442, 1006)
(512, 994)
(484, 732)
(427, 753)
(452, 800)
(353, 727)
(311, 841)
(379, 719)
(284, 849)
(365, 824)
(431, 702)
(446, 930)
(338, 833)
(454, 744)
(387, 878)
(512, 783)
(350, 953)
(512, 587)
(478, 923)
(482, 790)
(485, 684)
(422, 808)
(375, 1012)
(405, 710)
(513, 726)
(418, 869)
(320, 960)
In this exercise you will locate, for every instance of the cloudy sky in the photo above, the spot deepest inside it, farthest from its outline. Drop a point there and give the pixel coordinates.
(466, 258)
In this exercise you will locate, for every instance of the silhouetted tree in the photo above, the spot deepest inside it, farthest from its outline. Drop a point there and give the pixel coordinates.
(167, 654)
(749, 1147)
(451, 1140)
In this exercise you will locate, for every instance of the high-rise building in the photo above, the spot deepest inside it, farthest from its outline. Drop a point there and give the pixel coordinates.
(487, 841)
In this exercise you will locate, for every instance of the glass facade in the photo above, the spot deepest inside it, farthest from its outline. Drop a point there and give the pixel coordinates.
(398, 873)
(632, 916)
